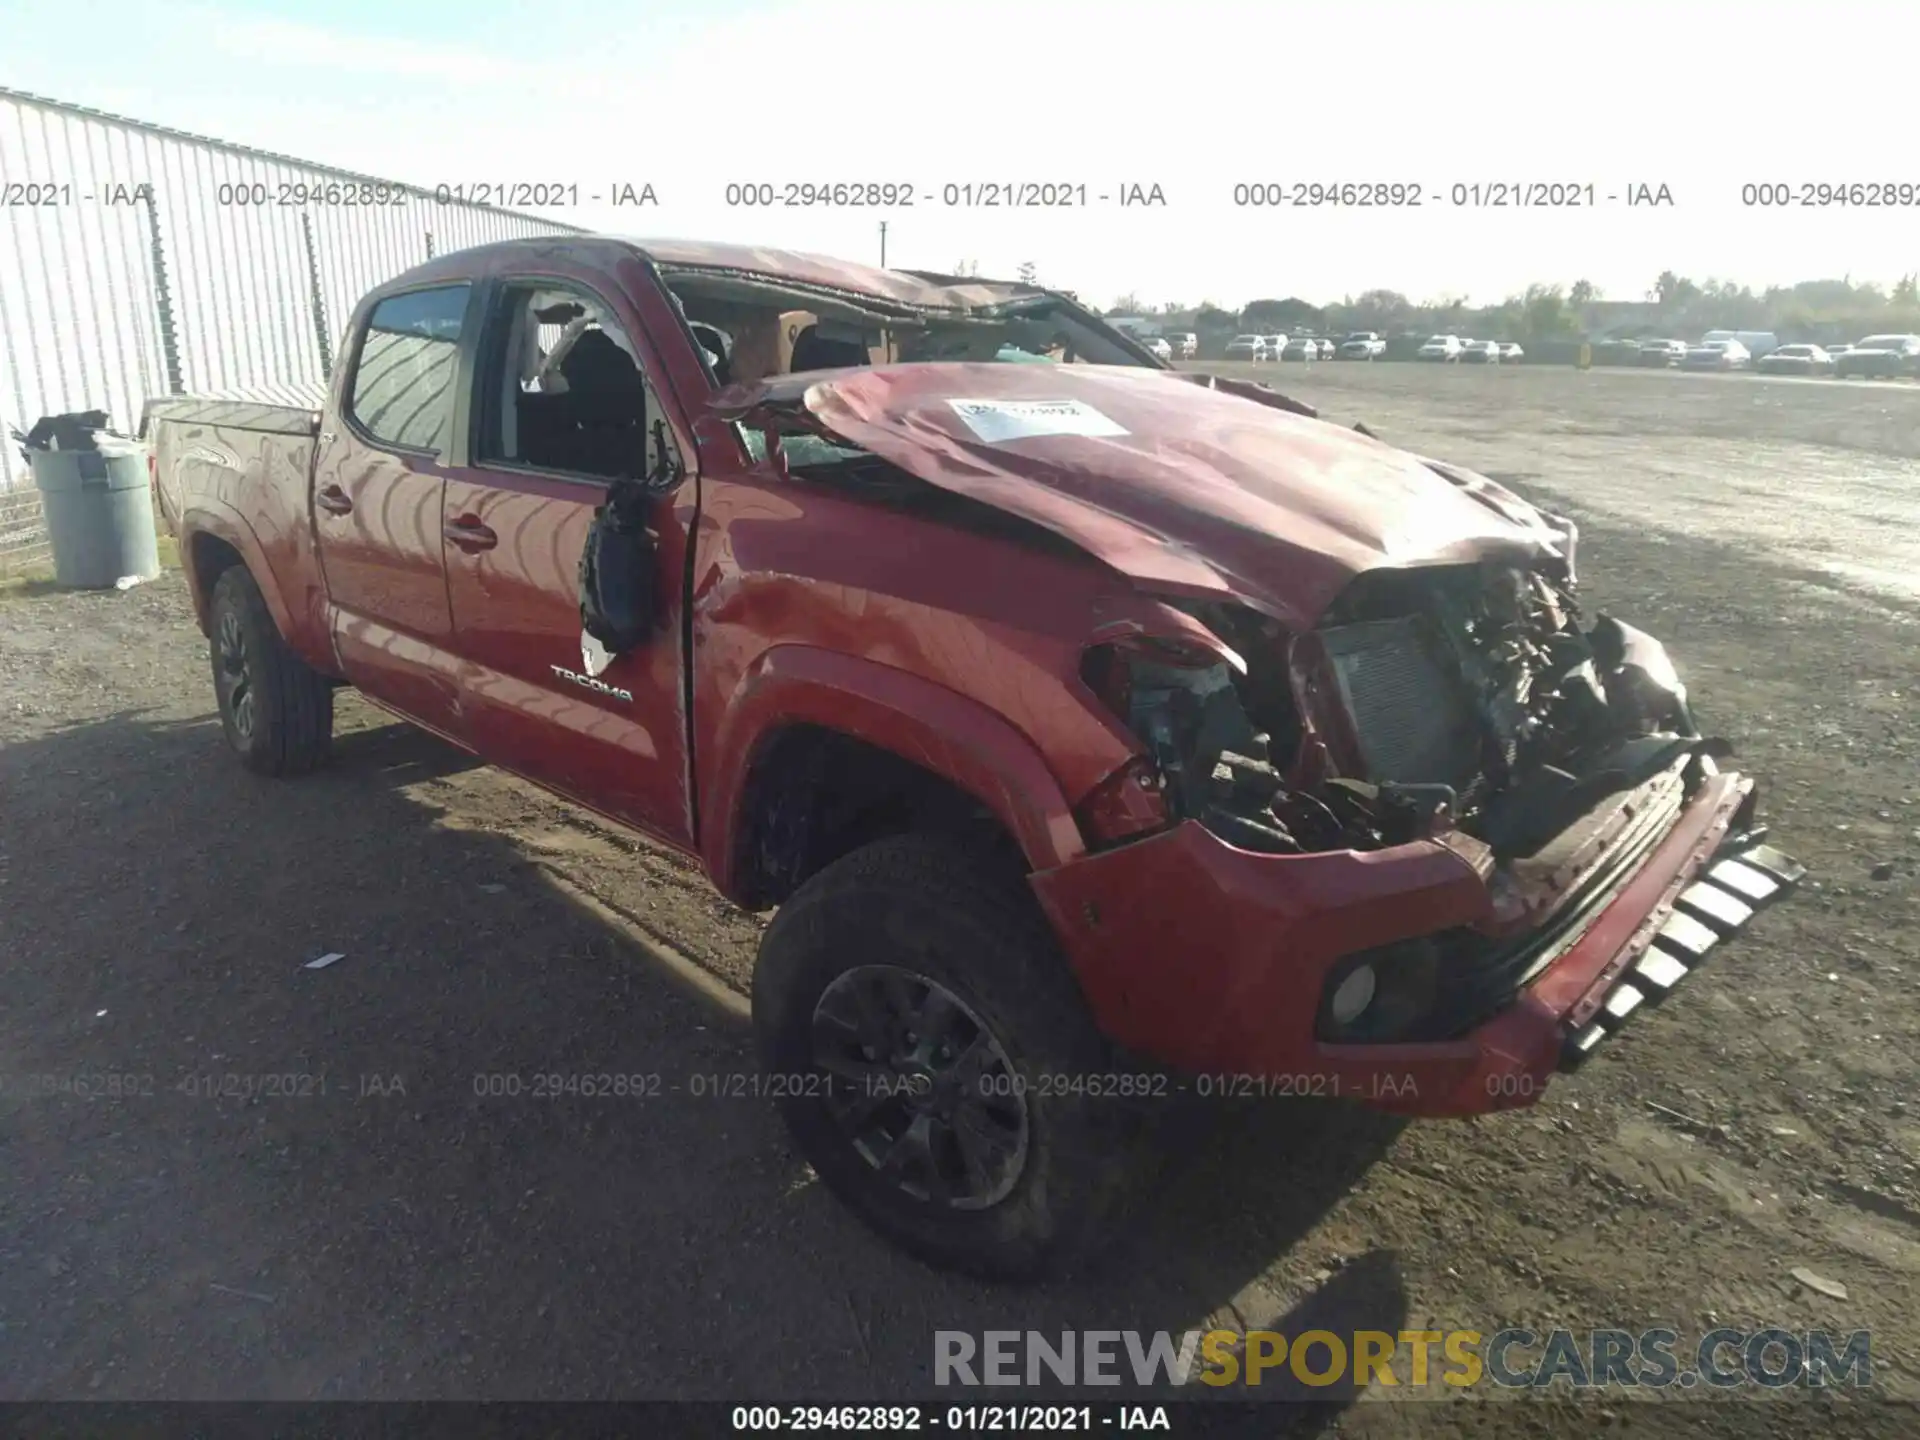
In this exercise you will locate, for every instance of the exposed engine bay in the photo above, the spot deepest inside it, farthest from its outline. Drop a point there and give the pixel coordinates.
(1464, 697)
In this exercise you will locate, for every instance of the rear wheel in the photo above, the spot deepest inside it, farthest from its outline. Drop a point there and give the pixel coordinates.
(276, 710)
(937, 1065)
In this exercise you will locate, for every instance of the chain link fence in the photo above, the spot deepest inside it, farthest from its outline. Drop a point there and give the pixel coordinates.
(138, 261)
(23, 532)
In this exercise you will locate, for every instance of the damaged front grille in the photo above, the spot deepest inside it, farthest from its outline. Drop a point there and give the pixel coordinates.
(1464, 703)
(1462, 697)
(1480, 977)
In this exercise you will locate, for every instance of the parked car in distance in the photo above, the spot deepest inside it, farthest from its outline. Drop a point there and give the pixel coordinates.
(1159, 345)
(1247, 347)
(1362, 345)
(1510, 352)
(1153, 797)
(1663, 352)
(1881, 355)
(1441, 347)
(1616, 350)
(1755, 342)
(1716, 355)
(1275, 345)
(1480, 352)
(1301, 347)
(1795, 360)
(1186, 344)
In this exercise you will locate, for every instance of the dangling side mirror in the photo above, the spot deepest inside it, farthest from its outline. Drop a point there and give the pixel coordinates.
(619, 562)
(617, 573)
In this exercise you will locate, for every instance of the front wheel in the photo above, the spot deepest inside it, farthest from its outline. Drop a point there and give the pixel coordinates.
(276, 710)
(937, 1065)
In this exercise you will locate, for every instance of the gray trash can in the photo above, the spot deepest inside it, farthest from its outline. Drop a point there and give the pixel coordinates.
(98, 504)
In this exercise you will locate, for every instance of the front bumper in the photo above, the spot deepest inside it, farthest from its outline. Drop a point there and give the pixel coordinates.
(1744, 877)
(1211, 960)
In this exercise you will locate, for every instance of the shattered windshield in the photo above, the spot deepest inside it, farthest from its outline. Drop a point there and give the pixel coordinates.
(750, 328)
(800, 450)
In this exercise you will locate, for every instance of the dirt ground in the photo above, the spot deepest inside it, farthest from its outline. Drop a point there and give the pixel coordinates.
(382, 1229)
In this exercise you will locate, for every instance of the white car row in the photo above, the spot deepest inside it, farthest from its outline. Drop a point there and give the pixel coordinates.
(1363, 345)
(1178, 346)
(1718, 350)
(1877, 355)
(1452, 349)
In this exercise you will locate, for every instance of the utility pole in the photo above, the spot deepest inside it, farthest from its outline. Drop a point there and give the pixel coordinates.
(883, 244)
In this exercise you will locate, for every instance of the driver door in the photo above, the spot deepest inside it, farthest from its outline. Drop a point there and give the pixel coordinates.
(560, 395)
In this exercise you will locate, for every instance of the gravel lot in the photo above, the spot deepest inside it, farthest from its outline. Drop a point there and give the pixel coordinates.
(381, 1229)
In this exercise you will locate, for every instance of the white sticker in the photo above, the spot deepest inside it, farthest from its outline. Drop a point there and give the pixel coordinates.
(995, 421)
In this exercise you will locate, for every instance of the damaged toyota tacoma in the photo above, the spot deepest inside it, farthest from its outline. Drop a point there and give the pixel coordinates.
(1096, 730)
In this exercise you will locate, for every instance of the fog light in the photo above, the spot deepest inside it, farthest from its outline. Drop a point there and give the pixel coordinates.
(1353, 996)
(1380, 995)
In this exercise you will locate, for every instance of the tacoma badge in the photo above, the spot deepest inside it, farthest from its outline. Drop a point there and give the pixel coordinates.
(589, 683)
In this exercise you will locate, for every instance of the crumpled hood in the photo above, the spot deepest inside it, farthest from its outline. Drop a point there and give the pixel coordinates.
(1183, 487)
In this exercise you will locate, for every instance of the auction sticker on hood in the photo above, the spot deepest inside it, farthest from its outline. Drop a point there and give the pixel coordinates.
(995, 421)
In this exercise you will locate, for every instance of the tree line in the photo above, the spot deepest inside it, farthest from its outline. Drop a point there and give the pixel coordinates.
(1812, 310)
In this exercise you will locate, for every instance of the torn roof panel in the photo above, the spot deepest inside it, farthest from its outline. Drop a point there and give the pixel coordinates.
(902, 287)
(890, 294)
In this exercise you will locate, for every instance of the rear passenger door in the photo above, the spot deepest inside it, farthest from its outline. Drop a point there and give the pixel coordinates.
(561, 388)
(378, 482)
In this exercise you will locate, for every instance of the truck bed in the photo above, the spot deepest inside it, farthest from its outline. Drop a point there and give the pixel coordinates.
(237, 469)
(205, 444)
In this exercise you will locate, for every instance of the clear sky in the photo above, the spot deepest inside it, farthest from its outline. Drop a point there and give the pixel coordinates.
(1194, 96)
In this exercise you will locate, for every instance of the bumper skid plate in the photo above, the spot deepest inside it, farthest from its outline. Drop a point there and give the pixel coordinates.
(1741, 880)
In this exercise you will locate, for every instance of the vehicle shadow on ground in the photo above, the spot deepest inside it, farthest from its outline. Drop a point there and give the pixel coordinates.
(241, 1177)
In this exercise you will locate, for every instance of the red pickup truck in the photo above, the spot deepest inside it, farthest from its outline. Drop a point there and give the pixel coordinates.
(1101, 731)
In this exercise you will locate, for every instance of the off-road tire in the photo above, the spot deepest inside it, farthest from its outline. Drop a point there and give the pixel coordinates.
(932, 905)
(287, 729)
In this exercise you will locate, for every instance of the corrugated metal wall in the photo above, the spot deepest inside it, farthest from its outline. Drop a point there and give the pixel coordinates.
(138, 261)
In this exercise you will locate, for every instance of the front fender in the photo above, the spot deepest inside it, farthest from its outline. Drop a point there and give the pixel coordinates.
(925, 723)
